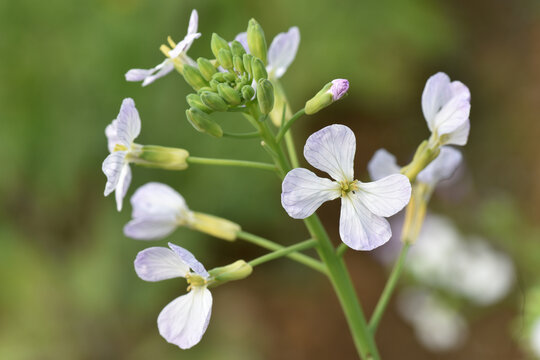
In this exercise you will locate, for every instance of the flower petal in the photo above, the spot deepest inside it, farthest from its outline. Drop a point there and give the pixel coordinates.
(184, 45)
(437, 93)
(303, 192)
(124, 179)
(158, 200)
(112, 167)
(386, 196)
(160, 71)
(188, 258)
(150, 227)
(452, 116)
(282, 51)
(359, 228)
(184, 320)
(242, 39)
(442, 168)
(382, 164)
(139, 74)
(459, 136)
(128, 125)
(159, 263)
(331, 150)
(193, 22)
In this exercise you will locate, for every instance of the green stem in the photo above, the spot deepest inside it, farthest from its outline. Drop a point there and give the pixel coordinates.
(289, 142)
(228, 162)
(283, 252)
(341, 249)
(270, 245)
(388, 289)
(288, 124)
(250, 135)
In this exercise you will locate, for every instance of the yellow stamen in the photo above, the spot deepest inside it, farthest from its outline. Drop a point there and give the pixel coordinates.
(347, 187)
(171, 42)
(165, 50)
(120, 147)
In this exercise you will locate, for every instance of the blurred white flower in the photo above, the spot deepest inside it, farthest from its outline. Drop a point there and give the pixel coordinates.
(437, 326)
(364, 206)
(535, 338)
(177, 53)
(184, 320)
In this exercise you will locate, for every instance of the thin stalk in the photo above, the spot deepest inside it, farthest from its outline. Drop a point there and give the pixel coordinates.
(249, 135)
(289, 142)
(340, 251)
(388, 289)
(270, 245)
(283, 252)
(288, 124)
(228, 162)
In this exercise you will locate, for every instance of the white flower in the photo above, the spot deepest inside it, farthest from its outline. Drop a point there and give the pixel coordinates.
(184, 320)
(446, 106)
(281, 53)
(120, 136)
(441, 168)
(363, 206)
(178, 53)
(158, 210)
(535, 338)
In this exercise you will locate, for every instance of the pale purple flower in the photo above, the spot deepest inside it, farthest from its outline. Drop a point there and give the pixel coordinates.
(441, 168)
(281, 52)
(339, 88)
(185, 319)
(120, 136)
(364, 206)
(446, 106)
(178, 53)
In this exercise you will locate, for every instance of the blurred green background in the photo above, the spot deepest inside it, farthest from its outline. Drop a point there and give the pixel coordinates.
(68, 289)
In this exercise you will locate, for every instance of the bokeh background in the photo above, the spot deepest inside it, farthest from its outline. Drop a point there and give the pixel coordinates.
(67, 285)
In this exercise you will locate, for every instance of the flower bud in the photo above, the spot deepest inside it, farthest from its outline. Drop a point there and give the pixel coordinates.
(236, 271)
(206, 68)
(194, 77)
(331, 92)
(202, 122)
(205, 89)
(229, 94)
(247, 92)
(246, 59)
(214, 84)
(194, 101)
(219, 77)
(258, 70)
(213, 101)
(256, 40)
(217, 43)
(161, 157)
(265, 96)
(225, 59)
(237, 48)
(230, 77)
(215, 226)
(238, 64)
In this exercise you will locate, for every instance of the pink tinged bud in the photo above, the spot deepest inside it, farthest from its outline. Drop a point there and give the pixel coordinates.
(339, 88)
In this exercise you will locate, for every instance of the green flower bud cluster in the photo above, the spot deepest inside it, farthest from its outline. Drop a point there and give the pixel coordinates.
(230, 81)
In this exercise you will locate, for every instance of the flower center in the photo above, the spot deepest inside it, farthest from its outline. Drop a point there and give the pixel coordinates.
(120, 147)
(348, 186)
(195, 280)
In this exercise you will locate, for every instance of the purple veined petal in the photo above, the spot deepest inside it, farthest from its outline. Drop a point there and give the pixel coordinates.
(189, 259)
(437, 93)
(242, 39)
(184, 320)
(303, 192)
(331, 150)
(184, 45)
(193, 22)
(385, 197)
(159, 263)
(139, 74)
(111, 132)
(460, 135)
(124, 180)
(112, 167)
(382, 164)
(158, 200)
(128, 126)
(159, 71)
(151, 227)
(339, 88)
(442, 168)
(282, 51)
(359, 228)
(452, 116)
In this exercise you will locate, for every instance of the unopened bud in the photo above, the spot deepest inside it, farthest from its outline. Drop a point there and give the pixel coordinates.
(238, 64)
(225, 59)
(161, 157)
(256, 40)
(214, 84)
(194, 101)
(217, 43)
(246, 59)
(236, 271)
(265, 96)
(258, 70)
(230, 77)
(206, 68)
(194, 77)
(330, 93)
(213, 101)
(202, 122)
(247, 92)
(229, 94)
(215, 226)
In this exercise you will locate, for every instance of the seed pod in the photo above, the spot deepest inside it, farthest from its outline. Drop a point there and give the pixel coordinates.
(194, 77)
(265, 96)
(256, 40)
(203, 123)
(206, 68)
(213, 101)
(194, 101)
(258, 69)
(229, 94)
(217, 43)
